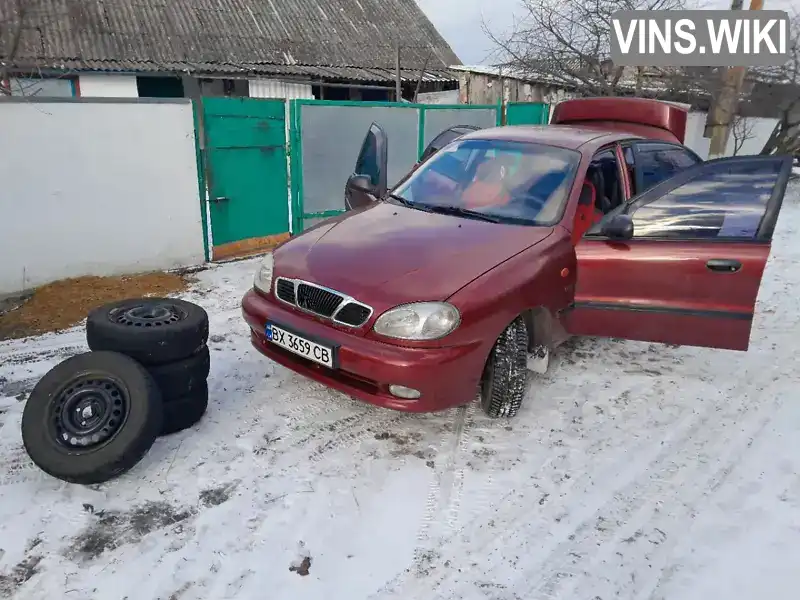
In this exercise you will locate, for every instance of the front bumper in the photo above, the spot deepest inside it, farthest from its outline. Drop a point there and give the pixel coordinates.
(446, 377)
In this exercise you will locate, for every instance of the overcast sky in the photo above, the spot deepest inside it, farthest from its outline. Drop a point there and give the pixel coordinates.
(459, 21)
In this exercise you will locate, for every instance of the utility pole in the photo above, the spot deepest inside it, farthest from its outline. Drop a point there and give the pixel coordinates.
(398, 80)
(723, 110)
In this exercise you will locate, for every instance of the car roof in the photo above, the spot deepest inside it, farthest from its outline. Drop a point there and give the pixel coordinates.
(571, 137)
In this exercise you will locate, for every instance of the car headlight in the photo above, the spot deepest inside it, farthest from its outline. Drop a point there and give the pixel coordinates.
(263, 279)
(418, 321)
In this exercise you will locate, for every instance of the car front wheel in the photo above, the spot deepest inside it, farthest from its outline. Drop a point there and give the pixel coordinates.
(505, 377)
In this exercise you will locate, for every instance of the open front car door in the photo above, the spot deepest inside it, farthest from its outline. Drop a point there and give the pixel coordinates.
(682, 263)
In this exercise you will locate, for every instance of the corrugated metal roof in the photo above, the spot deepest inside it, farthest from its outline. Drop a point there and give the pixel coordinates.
(347, 39)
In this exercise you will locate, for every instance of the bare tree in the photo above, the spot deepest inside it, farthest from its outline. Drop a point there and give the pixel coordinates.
(742, 131)
(567, 43)
(781, 86)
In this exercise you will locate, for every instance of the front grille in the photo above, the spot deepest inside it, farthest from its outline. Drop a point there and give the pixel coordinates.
(323, 302)
(353, 314)
(284, 290)
(318, 300)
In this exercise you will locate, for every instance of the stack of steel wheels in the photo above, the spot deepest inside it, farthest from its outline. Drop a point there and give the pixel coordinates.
(168, 338)
(95, 415)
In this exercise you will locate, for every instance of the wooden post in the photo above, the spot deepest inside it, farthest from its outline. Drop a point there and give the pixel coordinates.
(398, 80)
(722, 113)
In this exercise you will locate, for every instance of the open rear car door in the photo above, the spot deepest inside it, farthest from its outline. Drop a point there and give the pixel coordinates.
(638, 116)
(368, 182)
(682, 263)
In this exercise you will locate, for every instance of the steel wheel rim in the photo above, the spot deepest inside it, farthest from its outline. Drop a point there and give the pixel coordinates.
(149, 314)
(88, 412)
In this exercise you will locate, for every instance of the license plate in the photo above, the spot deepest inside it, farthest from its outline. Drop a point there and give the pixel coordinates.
(292, 342)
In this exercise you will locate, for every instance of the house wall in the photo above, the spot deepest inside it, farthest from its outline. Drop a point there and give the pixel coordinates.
(96, 187)
(108, 86)
(445, 97)
(272, 88)
(480, 88)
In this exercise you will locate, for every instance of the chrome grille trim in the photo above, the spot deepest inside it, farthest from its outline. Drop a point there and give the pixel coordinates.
(345, 300)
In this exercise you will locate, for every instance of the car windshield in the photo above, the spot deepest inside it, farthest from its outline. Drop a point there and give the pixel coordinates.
(499, 180)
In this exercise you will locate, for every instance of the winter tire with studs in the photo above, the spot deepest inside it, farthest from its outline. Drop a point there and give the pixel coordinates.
(505, 377)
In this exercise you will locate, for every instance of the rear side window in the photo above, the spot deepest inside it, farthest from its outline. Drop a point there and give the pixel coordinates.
(728, 202)
(657, 162)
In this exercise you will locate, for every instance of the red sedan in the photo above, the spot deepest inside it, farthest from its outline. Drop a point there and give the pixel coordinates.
(507, 241)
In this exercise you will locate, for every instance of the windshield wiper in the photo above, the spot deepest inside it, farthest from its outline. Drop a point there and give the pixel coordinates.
(465, 212)
(408, 203)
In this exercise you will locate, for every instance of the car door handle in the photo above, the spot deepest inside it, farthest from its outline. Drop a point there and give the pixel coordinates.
(724, 265)
(219, 199)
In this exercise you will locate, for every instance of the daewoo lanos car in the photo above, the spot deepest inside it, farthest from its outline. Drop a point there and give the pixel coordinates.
(509, 240)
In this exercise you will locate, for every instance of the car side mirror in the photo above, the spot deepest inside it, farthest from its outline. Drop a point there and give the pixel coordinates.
(618, 227)
(362, 183)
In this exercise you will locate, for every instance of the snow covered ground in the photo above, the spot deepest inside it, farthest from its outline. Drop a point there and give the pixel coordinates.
(634, 471)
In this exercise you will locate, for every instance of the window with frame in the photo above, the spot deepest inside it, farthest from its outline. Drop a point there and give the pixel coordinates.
(656, 162)
(725, 202)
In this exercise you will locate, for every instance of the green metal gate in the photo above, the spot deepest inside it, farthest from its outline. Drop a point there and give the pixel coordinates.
(527, 113)
(244, 165)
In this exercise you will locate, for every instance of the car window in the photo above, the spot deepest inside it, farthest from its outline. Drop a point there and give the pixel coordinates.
(656, 162)
(727, 202)
(516, 182)
(367, 162)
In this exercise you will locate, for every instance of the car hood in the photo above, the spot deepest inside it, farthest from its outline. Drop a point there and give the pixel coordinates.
(387, 255)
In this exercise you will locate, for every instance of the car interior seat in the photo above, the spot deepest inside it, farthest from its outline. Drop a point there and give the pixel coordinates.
(602, 202)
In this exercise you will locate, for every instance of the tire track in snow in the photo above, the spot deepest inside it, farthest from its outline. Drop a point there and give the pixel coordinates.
(446, 487)
(500, 530)
(661, 573)
(351, 435)
(632, 509)
(16, 467)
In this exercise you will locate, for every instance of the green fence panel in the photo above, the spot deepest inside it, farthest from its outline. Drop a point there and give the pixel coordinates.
(527, 113)
(315, 184)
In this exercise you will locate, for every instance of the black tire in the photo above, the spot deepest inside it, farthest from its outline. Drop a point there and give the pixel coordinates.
(126, 415)
(181, 413)
(178, 378)
(151, 330)
(505, 379)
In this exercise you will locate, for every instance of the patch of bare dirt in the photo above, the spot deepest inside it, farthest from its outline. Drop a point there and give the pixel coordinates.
(302, 567)
(11, 581)
(65, 303)
(111, 529)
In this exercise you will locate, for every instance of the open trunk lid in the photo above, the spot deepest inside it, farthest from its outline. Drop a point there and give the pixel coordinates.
(638, 116)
